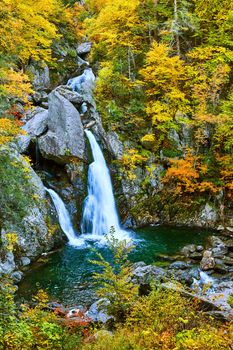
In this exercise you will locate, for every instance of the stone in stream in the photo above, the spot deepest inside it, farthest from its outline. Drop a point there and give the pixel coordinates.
(179, 265)
(188, 249)
(207, 262)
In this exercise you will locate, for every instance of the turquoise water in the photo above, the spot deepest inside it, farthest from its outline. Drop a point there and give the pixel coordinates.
(67, 274)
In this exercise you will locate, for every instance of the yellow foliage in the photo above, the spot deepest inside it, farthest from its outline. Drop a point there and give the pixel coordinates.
(115, 24)
(8, 130)
(12, 240)
(31, 28)
(15, 84)
(129, 162)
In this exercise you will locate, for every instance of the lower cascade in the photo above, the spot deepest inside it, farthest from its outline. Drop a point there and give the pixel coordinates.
(64, 218)
(100, 213)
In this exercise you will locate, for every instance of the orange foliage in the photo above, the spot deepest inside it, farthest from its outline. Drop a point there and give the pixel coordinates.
(185, 175)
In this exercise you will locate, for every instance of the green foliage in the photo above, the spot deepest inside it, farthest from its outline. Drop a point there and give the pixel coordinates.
(166, 320)
(113, 280)
(230, 300)
(29, 328)
(16, 193)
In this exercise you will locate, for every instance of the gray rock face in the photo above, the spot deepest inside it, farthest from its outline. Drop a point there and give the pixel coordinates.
(115, 145)
(35, 127)
(208, 216)
(65, 137)
(41, 78)
(7, 264)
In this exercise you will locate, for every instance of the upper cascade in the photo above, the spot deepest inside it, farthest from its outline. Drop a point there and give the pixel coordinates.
(84, 82)
(100, 213)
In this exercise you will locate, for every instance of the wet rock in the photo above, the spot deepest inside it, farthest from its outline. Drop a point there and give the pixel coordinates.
(65, 137)
(229, 244)
(98, 311)
(144, 275)
(33, 236)
(218, 247)
(220, 267)
(207, 262)
(90, 124)
(69, 94)
(182, 276)
(7, 264)
(17, 276)
(195, 256)
(228, 260)
(199, 248)
(188, 249)
(84, 49)
(75, 313)
(138, 264)
(179, 265)
(25, 261)
(82, 64)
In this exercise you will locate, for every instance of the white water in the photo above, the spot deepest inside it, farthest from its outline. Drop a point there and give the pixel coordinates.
(205, 282)
(84, 81)
(100, 213)
(64, 219)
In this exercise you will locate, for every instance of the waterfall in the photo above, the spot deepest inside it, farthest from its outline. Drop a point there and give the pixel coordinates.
(100, 213)
(64, 219)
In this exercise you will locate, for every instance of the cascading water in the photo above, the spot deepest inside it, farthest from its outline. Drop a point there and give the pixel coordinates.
(100, 213)
(205, 282)
(64, 219)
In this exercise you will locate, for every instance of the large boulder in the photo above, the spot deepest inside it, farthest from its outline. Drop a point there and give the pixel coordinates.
(34, 127)
(69, 94)
(64, 140)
